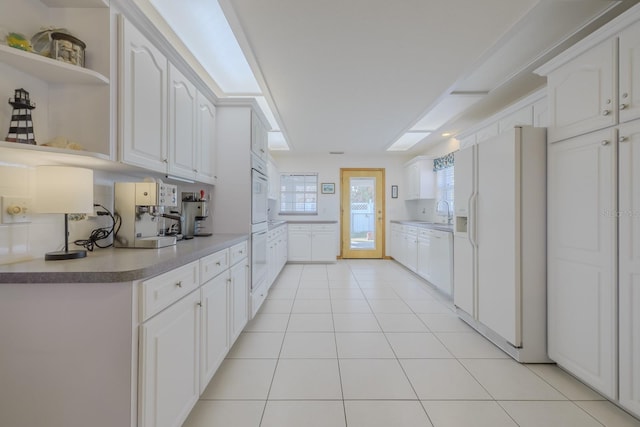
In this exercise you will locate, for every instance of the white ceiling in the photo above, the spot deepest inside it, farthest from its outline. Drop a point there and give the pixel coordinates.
(355, 75)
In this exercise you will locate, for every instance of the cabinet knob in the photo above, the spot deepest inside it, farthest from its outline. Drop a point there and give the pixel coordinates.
(623, 139)
(623, 106)
(165, 160)
(218, 263)
(606, 112)
(179, 284)
(625, 95)
(199, 304)
(604, 142)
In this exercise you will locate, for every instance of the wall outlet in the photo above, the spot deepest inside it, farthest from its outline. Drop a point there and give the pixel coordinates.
(16, 209)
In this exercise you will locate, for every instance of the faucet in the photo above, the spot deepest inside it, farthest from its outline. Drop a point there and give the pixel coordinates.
(449, 213)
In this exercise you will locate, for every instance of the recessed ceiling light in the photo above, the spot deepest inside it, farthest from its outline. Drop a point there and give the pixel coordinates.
(446, 134)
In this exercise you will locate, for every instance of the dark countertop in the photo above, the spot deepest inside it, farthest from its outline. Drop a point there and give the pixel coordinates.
(425, 224)
(117, 264)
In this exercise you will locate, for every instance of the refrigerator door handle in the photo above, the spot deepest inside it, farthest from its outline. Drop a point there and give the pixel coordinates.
(472, 219)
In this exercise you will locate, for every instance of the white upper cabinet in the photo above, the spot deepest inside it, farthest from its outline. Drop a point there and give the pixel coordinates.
(420, 179)
(143, 101)
(274, 180)
(167, 124)
(629, 85)
(205, 141)
(582, 93)
(258, 138)
(182, 124)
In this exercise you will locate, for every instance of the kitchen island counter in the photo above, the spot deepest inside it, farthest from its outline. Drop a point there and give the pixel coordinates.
(117, 264)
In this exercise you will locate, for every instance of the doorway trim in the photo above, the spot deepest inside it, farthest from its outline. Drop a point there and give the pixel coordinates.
(345, 221)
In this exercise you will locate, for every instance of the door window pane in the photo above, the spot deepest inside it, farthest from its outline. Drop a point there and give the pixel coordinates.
(363, 213)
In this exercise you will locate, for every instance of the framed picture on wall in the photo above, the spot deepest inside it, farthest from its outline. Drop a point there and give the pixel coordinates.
(328, 187)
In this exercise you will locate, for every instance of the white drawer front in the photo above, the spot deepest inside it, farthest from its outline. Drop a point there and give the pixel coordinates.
(238, 252)
(161, 291)
(299, 227)
(214, 264)
(323, 227)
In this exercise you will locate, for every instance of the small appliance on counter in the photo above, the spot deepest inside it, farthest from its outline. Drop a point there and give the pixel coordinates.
(141, 206)
(195, 209)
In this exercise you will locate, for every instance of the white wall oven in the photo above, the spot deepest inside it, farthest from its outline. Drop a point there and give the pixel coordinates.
(259, 191)
(259, 195)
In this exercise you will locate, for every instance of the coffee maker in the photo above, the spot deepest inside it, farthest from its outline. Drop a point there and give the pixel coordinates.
(195, 210)
(141, 206)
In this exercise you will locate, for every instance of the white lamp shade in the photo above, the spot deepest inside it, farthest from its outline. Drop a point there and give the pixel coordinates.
(63, 189)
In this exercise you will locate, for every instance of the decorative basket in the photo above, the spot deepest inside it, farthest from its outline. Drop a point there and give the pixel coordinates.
(67, 48)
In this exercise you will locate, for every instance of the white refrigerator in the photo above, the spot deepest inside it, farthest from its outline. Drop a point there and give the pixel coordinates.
(499, 246)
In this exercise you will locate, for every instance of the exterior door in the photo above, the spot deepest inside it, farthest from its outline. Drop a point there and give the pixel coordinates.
(362, 210)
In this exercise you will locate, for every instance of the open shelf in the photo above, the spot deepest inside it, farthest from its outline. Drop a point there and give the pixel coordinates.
(48, 69)
(36, 155)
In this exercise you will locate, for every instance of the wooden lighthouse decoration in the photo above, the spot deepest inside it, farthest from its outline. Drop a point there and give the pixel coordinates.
(21, 127)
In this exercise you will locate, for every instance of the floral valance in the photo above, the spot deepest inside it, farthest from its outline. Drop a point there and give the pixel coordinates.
(443, 162)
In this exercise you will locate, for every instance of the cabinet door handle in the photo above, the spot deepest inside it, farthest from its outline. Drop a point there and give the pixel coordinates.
(623, 106)
(606, 112)
(623, 139)
(604, 142)
(199, 304)
(179, 284)
(218, 263)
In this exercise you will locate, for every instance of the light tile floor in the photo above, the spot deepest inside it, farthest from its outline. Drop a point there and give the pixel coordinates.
(365, 343)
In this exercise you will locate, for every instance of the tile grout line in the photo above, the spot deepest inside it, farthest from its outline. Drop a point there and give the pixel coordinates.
(275, 369)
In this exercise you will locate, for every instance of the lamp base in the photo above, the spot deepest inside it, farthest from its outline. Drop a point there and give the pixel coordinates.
(60, 255)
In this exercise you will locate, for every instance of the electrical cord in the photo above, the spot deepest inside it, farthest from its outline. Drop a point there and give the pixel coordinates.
(102, 232)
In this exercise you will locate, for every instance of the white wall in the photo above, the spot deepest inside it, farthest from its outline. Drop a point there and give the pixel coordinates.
(45, 232)
(328, 168)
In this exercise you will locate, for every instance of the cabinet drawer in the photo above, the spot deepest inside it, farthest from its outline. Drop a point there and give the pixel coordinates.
(323, 227)
(161, 291)
(299, 227)
(410, 230)
(214, 264)
(424, 232)
(238, 252)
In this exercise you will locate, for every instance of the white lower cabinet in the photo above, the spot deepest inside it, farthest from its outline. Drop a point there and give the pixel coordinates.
(426, 251)
(182, 346)
(435, 251)
(629, 265)
(239, 294)
(409, 248)
(169, 364)
(581, 258)
(276, 252)
(215, 327)
(312, 242)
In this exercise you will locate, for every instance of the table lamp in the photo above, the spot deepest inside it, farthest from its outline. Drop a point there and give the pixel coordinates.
(64, 189)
